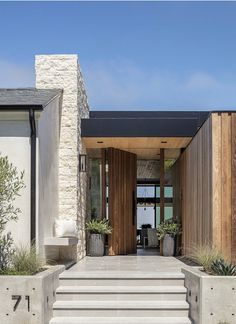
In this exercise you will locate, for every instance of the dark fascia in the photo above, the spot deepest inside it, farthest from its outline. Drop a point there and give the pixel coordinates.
(21, 107)
(143, 123)
(147, 114)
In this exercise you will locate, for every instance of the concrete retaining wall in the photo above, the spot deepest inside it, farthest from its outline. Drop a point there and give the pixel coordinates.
(212, 299)
(28, 299)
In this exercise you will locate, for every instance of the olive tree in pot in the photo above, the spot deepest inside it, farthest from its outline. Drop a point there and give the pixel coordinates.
(97, 229)
(167, 231)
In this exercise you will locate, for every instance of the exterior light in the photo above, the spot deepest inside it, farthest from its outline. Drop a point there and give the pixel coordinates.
(82, 163)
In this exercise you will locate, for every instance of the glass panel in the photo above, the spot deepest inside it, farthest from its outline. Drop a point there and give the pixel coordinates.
(145, 191)
(145, 215)
(168, 214)
(157, 215)
(168, 192)
(95, 166)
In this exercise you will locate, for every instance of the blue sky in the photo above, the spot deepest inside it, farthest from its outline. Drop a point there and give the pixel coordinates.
(133, 55)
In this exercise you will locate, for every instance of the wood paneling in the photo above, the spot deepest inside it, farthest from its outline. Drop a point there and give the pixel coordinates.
(233, 170)
(136, 142)
(122, 174)
(195, 187)
(208, 186)
(222, 181)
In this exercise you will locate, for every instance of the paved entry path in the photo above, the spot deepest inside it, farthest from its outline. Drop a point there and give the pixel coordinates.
(122, 289)
(129, 263)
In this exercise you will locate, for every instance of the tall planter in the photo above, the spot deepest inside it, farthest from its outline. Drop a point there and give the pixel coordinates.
(168, 245)
(96, 245)
(212, 299)
(29, 299)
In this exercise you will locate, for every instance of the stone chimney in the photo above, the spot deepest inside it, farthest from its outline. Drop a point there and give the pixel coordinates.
(63, 72)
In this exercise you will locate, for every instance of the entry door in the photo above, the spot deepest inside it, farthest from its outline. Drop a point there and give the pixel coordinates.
(122, 202)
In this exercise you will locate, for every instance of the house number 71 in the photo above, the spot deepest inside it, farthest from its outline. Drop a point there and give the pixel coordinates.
(18, 300)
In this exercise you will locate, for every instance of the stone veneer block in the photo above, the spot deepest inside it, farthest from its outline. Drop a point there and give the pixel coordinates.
(63, 72)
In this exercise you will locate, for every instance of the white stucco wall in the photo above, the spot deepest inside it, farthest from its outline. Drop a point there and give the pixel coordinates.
(63, 72)
(48, 161)
(15, 143)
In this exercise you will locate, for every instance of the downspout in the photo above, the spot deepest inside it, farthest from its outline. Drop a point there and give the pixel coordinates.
(32, 176)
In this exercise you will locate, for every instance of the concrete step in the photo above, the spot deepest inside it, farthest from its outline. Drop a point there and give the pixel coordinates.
(121, 278)
(119, 308)
(120, 320)
(121, 293)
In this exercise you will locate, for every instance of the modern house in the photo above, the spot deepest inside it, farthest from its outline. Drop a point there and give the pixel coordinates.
(169, 164)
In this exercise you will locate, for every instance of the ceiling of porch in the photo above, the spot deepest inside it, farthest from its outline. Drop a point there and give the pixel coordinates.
(144, 147)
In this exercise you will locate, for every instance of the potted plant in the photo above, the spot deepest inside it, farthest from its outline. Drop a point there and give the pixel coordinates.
(167, 231)
(97, 229)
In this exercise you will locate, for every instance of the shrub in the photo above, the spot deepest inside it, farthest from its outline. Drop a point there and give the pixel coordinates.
(6, 251)
(205, 255)
(96, 226)
(26, 260)
(11, 182)
(221, 267)
(170, 227)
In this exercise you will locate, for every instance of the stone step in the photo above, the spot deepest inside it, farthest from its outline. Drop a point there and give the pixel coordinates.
(121, 278)
(121, 293)
(119, 308)
(120, 320)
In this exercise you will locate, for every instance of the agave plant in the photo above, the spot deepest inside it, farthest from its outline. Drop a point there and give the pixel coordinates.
(221, 267)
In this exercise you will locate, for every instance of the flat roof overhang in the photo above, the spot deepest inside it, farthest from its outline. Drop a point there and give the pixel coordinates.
(142, 133)
(142, 124)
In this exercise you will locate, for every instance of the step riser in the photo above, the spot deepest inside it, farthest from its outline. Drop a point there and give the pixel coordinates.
(118, 296)
(120, 320)
(121, 313)
(121, 282)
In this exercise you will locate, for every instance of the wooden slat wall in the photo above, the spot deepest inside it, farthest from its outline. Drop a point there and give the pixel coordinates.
(233, 155)
(122, 170)
(208, 185)
(223, 182)
(195, 186)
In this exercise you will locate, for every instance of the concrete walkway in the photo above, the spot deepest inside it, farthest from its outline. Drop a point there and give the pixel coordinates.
(134, 264)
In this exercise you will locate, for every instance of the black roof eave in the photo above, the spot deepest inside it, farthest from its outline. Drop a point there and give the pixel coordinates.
(143, 124)
(21, 107)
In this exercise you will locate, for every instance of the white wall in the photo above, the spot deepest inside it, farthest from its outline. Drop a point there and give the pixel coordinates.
(48, 150)
(15, 143)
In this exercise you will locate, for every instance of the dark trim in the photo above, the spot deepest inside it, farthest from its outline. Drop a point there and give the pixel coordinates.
(147, 114)
(32, 176)
(21, 107)
(146, 127)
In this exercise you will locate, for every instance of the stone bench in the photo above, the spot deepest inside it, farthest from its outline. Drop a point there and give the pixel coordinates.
(60, 241)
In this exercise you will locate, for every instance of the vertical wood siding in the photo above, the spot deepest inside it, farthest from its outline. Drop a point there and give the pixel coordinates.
(222, 181)
(195, 186)
(122, 170)
(208, 186)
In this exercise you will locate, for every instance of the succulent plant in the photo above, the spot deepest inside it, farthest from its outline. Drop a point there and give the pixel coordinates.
(221, 267)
